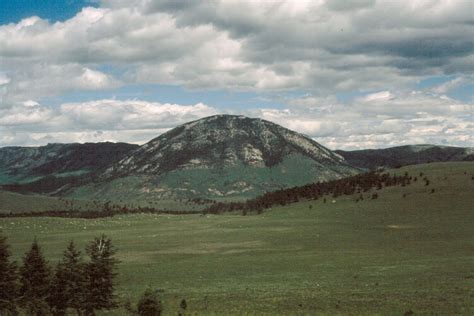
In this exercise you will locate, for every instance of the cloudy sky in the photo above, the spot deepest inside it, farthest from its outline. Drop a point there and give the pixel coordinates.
(349, 73)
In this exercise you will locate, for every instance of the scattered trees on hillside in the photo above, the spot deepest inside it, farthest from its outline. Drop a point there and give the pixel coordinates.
(347, 186)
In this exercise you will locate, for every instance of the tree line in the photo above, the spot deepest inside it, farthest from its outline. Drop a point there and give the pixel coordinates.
(360, 183)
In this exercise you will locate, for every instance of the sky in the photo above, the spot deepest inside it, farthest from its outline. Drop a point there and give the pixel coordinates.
(351, 74)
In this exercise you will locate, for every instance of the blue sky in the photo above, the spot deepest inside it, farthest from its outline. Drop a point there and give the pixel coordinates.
(349, 74)
(12, 11)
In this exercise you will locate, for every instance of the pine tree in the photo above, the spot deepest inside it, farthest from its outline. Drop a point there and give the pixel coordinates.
(67, 288)
(34, 279)
(100, 274)
(74, 270)
(8, 280)
(57, 299)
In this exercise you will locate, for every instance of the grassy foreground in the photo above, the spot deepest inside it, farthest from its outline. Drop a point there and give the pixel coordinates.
(410, 249)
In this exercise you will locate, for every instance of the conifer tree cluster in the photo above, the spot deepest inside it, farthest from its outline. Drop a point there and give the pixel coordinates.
(357, 184)
(73, 284)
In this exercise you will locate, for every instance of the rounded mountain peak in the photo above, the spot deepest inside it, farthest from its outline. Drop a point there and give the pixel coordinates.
(219, 141)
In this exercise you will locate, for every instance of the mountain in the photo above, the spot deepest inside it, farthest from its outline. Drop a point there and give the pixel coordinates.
(405, 155)
(27, 164)
(215, 157)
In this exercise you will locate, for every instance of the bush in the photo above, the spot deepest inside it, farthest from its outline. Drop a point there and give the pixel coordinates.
(182, 307)
(149, 304)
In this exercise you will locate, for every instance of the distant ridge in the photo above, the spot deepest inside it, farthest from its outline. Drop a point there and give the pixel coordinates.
(405, 155)
(25, 164)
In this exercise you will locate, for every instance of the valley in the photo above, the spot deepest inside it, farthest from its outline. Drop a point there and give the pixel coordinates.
(408, 250)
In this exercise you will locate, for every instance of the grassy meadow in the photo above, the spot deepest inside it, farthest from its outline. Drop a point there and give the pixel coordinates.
(410, 249)
(16, 203)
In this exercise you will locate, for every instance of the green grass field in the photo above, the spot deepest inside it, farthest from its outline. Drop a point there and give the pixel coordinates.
(25, 203)
(20, 203)
(385, 256)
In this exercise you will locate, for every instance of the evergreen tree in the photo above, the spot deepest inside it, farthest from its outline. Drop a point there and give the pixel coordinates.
(8, 280)
(57, 299)
(67, 288)
(149, 304)
(74, 277)
(34, 278)
(100, 274)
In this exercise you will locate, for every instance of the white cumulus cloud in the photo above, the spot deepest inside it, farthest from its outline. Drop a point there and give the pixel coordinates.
(101, 120)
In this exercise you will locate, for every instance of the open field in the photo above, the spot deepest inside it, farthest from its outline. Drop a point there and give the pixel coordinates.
(16, 203)
(410, 249)
(19, 203)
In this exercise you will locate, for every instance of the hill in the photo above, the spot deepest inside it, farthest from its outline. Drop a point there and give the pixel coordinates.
(222, 156)
(408, 250)
(28, 164)
(405, 155)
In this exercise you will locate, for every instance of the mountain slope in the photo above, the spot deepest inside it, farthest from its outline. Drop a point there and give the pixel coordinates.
(219, 156)
(26, 164)
(405, 155)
